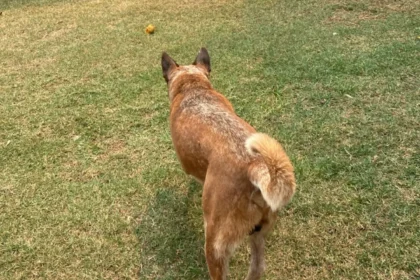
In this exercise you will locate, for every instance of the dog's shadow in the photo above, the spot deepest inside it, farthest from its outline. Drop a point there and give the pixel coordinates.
(171, 235)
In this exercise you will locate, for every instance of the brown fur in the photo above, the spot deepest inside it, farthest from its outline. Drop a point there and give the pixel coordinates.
(246, 175)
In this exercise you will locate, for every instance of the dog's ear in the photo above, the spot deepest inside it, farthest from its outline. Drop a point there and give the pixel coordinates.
(203, 59)
(167, 65)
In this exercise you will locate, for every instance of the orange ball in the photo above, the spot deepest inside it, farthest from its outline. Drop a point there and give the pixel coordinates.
(150, 29)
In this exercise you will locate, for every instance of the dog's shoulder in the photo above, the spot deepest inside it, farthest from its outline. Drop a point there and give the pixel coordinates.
(213, 110)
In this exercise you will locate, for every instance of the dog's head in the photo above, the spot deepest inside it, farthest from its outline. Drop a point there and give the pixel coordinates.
(171, 70)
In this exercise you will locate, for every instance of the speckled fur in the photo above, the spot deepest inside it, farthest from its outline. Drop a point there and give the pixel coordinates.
(246, 175)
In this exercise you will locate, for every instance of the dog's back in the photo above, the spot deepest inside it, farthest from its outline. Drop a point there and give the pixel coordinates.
(204, 126)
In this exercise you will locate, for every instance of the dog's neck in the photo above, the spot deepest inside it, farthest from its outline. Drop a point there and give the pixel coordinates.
(187, 83)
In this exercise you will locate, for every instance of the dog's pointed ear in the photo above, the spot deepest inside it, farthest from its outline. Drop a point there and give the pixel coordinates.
(203, 59)
(168, 64)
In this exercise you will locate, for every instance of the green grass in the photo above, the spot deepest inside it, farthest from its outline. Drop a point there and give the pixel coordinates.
(90, 187)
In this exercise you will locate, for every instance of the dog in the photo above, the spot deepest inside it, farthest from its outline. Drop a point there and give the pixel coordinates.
(247, 176)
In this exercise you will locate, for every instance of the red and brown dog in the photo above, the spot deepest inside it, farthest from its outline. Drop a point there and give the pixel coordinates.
(247, 177)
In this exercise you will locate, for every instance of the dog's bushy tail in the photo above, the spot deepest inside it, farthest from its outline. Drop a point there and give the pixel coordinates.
(272, 171)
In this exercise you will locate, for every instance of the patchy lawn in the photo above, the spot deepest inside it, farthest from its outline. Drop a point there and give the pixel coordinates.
(90, 187)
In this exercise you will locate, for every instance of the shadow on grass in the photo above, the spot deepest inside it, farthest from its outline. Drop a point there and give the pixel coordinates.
(171, 236)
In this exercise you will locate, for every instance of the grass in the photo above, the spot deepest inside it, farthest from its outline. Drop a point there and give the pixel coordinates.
(90, 187)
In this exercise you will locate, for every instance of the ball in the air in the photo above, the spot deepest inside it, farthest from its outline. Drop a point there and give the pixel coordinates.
(150, 29)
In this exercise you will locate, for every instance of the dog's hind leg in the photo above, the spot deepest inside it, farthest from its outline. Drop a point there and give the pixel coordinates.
(257, 266)
(217, 254)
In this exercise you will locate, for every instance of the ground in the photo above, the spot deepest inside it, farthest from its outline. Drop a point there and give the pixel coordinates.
(90, 187)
